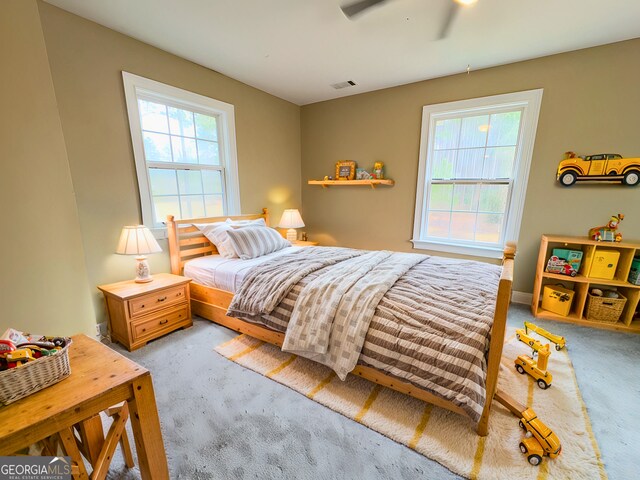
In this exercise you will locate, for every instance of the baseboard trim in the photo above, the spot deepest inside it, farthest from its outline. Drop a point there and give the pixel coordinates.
(523, 298)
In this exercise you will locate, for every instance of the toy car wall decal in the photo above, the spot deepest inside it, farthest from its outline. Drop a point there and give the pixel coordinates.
(606, 167)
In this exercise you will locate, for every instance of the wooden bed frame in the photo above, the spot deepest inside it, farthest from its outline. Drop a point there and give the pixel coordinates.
(186, 242)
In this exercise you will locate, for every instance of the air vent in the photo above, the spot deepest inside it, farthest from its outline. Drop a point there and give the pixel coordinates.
(348, 83)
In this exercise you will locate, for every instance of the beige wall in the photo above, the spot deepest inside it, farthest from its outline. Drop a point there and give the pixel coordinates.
(86, 63)
(591, 104)
(44, 282)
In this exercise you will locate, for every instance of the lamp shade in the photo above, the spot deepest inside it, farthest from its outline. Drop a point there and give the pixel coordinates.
(291, 219)
(137, 240)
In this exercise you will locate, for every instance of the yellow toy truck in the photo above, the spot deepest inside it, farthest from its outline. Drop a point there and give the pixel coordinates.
(542, 440)
(601, 167)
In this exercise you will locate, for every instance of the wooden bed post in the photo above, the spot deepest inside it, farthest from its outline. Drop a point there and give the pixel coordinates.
(172, 234)
(497, 334)
(265, 212)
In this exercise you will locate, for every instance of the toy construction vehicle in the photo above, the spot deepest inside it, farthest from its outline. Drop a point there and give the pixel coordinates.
(559, 341)
(540, 439)
(537, 369)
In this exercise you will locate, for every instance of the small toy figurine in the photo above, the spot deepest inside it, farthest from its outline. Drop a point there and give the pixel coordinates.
(542, 440)
(378, 170)
(326, 177)
(608, 232)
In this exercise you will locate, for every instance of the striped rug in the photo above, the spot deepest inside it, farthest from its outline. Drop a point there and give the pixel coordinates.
(441, 435)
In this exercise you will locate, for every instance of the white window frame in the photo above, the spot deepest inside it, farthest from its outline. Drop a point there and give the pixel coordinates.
(529, 101)
(136, 86)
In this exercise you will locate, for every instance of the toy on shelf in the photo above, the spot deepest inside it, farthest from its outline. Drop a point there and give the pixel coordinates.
(542, 441)
(603, 167)
(362, 174)
(559, 341)
(560, 266)
(608, 232)
(537, 369)
(378, 171)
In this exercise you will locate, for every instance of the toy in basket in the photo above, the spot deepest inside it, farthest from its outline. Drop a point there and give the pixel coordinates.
(31, 365)
(608, 232)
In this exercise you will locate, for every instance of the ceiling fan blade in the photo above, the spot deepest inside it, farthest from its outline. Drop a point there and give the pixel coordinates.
(448, 20)
(356, 8)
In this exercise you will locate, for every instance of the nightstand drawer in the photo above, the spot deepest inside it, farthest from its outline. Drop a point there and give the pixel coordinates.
(152, 326)
(157, 300)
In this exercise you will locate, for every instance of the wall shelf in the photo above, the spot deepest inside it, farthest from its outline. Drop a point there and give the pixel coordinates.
(372, 183)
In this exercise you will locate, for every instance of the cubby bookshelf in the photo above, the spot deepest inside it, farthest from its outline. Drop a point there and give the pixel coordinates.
(581, 284)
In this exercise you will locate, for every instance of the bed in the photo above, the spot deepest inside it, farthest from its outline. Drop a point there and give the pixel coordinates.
(215, 280)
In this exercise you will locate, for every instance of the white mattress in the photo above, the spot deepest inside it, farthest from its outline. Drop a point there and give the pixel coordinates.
(226, 273)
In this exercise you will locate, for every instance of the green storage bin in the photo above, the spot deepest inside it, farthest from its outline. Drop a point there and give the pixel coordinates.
(634, 273)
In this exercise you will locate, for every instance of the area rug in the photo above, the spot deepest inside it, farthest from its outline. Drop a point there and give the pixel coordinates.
(441, 435)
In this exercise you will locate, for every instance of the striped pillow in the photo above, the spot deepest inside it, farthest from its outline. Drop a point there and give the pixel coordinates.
(216, 233)
(252, 242)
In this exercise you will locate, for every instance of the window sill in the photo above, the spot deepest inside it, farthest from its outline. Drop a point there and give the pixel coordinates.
(475, 251)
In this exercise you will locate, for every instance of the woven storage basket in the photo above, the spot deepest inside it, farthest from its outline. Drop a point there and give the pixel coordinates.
(602, 309)
(20, 382)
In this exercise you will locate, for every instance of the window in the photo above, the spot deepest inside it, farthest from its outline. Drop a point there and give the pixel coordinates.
(473, 170)
(185, 152)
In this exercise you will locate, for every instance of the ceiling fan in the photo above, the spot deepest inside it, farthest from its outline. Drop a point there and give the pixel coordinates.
(356, 8)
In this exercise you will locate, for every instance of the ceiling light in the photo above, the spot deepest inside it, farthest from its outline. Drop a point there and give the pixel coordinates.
(466, 2)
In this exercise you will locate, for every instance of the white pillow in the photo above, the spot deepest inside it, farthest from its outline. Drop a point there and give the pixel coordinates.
(254, 242)
(216, 233)
(258, 222)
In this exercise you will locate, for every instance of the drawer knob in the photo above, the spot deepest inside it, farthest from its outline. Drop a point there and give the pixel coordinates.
(144, 329)
(162, 322)
(162, 299)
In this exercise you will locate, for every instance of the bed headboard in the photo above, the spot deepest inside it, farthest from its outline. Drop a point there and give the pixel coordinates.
(187, 242)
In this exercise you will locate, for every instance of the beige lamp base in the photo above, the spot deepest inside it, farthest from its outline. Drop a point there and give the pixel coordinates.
(142, 269)
(292, 235)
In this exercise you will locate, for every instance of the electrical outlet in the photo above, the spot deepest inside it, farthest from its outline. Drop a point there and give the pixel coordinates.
(98, 331)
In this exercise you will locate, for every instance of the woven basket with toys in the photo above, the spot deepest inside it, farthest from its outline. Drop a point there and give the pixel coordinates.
(29, 363)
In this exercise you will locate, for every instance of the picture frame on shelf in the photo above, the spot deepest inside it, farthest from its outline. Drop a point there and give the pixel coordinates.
(345, 170)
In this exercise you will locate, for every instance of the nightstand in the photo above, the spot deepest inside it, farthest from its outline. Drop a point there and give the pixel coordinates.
(140, 312)
(301, 243)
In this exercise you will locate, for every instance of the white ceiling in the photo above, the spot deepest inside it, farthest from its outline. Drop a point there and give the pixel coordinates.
(295, 49)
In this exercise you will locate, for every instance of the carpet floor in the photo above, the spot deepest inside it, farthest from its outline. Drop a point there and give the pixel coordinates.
(223, 421)
(438, 434)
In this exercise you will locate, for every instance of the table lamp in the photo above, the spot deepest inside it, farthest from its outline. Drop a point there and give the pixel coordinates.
(291, 219)
(139, 241)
